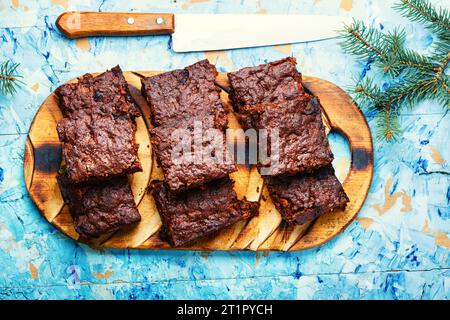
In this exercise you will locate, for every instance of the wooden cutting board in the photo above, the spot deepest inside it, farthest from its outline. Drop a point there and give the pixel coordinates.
(264, 232)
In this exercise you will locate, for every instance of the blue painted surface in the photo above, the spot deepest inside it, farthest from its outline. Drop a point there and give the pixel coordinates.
(398, 248)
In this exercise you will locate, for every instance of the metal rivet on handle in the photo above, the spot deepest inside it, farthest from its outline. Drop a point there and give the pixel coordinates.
(130, 20)
(159, 20)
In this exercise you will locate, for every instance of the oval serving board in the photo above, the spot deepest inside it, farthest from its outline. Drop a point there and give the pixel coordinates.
(264, 232)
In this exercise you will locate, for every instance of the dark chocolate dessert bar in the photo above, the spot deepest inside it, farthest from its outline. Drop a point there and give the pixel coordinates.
(304, 197)
(194, 214)
(270, 82)
(98, 148)
(105, 94)
(184, 94)
(101, 209)
(302, 143)
(186, 165)
(300, 178)
(179, 101)
(98, 127)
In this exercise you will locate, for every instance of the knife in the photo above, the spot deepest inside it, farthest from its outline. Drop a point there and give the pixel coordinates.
(204, 32)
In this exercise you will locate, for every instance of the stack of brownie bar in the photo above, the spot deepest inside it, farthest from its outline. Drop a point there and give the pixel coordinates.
(196, 198)
(99, 150)
(302, 182)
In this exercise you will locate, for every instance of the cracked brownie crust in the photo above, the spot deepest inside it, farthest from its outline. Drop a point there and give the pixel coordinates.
(105, 94)
(270, 82)
(304, 197)
(98, 210)
(199, 212)
(184, 94)
(96, 149)
(181, 170)
(303, 145)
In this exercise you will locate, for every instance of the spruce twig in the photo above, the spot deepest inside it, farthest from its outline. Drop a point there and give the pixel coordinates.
(10, 80)
(412, 76)
(436, 20)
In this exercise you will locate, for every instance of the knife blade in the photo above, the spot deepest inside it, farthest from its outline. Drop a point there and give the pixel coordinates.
(204, 32)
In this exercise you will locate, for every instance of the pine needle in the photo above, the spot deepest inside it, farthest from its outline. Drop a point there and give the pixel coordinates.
(10, 80)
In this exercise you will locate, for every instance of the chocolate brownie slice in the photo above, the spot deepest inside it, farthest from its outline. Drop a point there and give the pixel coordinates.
(296, 125)
(98, 210)
(192, 215)
(270, 82)
(98, 147)
(179, 100)
(98, 127)
(191, 153)
(184, 94)
(303, 197)
(107, 93)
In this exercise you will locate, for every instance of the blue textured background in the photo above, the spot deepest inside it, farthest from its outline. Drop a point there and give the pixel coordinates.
(398, 247)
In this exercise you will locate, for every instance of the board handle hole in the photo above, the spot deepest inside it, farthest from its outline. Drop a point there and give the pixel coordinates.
(341, 150)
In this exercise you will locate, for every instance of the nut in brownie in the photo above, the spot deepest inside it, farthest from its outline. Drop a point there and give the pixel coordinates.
(304, 197)
(98, 210)
(302, 144)
(270, 82)
(196, 213)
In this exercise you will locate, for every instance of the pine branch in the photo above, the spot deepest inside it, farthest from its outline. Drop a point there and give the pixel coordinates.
(412, 76)
(407, 94)
(361, 41)
(387, 127)
(444, 82)
(9, 78)
(440, 74)
(413, 60)
(366, 94)
(386, 49)
(436, 20)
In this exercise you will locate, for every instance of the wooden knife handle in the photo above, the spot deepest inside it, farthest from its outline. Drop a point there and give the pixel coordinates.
(85, 24)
